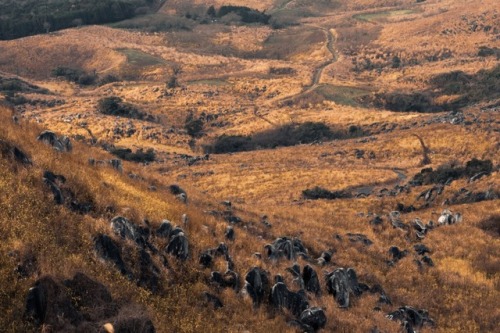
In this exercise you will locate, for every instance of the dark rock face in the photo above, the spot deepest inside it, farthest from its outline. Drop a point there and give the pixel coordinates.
(178, 246)
(94, 299)
(77, 305)
(175, 231)
(410, 318)
(421, 249)
(359, 238)
(384, 299)
(27, 264)
(229, 234)
(427, 260)
(149, 273)
(10, 151)
(206, 260)
(229, 279)
(126, 229)
(257, 285)
(116, 164)
(48, 304)
(63, 194)
(62, 144)
(311, 281)
(213, 300)
(342, 283)
(56, 191)
(312, 319)
(377, 220)
(176, 189)
(466, 196)
(397, 254)
(108, 250)
(419, 227)
(325, 258)
(290, 248)
(36, 305)
(281, 297)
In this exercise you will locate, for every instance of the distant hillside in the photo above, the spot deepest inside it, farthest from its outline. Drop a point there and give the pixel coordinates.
(29, 17)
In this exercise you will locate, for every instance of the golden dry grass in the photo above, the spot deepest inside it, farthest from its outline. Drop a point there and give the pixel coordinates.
(461, 292)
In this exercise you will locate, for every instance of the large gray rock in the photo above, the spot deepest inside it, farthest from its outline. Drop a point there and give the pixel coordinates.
(257, 285)
(164, 229)
(79, 304)
(290, 248)
(62, 144)
(229, 279)
(343, 283)
(10, 151)
(108, 250)
(127, 230)
(282, 298)
(311, 281)
(178, 246)
(312, 319)
(411, 318)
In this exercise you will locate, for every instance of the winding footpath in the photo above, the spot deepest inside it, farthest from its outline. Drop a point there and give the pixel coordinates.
(318, 72)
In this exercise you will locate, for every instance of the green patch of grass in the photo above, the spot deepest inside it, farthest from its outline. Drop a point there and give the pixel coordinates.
(342, 94)
(285, 43)
(381, 16)
(141, 59)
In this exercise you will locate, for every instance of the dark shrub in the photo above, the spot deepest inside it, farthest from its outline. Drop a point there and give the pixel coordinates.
(293, 134)
(284, 136)
(247, 15)
(312, 131)
(139, 156)
(476, 166)
(229, 144)
(455, 82)
(15, 99)
(211, 11)
(194, 127)
(109, 78)
(481, 86)
(115, 106)
(417, 102)
(87, 79)
(12, 85)
(75, 75)
(451, 172)
(173, 82)
(282, 71)
(485, 51)
(321, 193)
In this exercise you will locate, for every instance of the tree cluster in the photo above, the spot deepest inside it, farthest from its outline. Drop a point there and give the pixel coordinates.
(29, 17)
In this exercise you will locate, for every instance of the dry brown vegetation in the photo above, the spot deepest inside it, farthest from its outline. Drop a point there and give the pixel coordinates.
(255, 81)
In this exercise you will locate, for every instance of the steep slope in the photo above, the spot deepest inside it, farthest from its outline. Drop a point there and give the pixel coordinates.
(42, 238)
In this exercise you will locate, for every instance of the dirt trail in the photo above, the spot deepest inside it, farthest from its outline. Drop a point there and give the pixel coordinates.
(368, 189)
(318, 72)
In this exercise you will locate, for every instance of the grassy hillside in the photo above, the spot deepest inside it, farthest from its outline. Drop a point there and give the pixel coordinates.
(346, 128)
